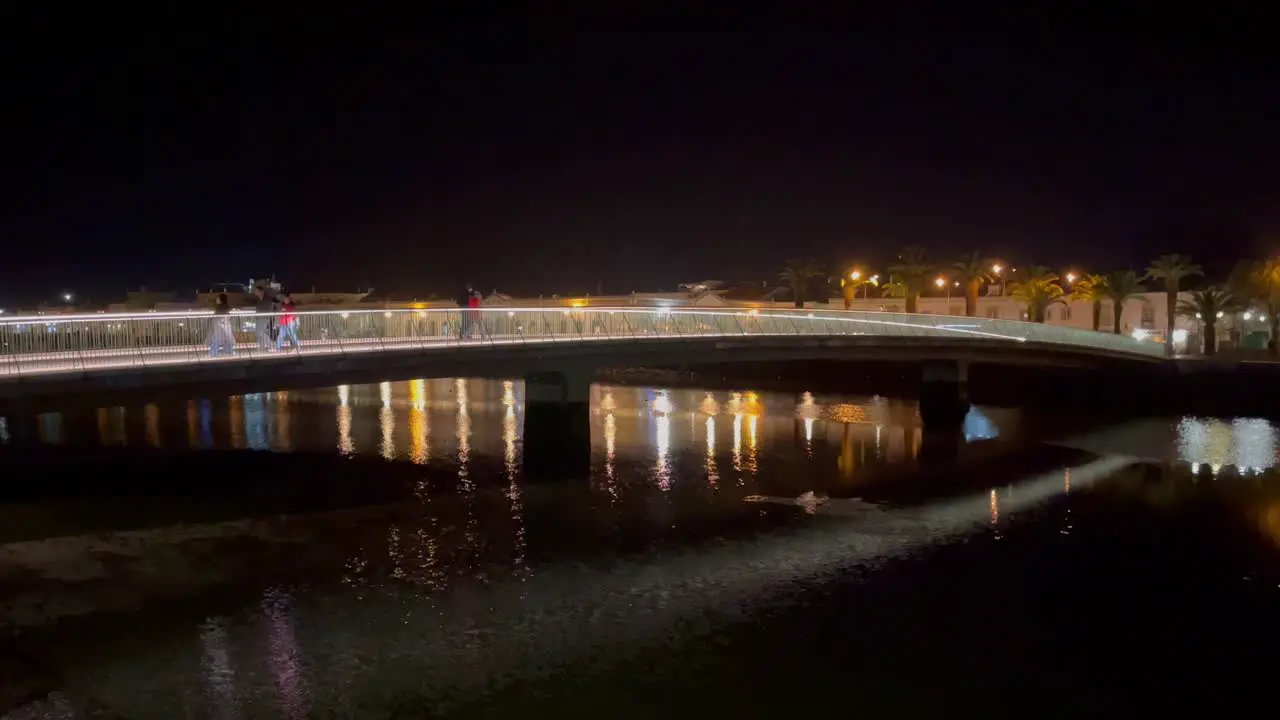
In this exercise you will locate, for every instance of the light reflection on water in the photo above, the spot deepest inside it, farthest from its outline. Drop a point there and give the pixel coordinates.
(730, 433)
(1250, 444)
(408, 617)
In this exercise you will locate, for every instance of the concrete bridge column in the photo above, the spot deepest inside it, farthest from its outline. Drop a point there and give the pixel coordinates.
(557, 425)
(944, 394)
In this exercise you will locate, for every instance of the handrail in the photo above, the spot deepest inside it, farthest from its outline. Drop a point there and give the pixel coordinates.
(87, 343)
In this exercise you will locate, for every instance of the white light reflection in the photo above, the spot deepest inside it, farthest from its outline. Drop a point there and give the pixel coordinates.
(1255, 443)
(663, 407)
(464, 435)
(219, 675)
(513, 488)
(471, 528)
(1248, 443)
(662, 471)
(387, 421)
(509, 429)
(807, 409)
(345, 445)
(713, 473)
(662, 403)
(285, 656)
(610, 453)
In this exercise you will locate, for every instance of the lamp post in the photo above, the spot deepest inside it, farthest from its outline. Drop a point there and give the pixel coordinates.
(941, 282)
(873, 280)
(996, 269)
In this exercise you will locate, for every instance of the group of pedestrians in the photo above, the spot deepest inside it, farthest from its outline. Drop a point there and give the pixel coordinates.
(272, 332)
(277, 324)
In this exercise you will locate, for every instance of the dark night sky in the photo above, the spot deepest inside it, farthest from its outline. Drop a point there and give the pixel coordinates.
(539, 157)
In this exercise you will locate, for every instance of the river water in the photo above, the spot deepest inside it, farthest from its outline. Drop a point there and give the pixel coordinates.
(747, 553)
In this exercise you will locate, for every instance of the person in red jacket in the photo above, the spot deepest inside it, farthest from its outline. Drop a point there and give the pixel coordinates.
(473, 309)
(288, 321)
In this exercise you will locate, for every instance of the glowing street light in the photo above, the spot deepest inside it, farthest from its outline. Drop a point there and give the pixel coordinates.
(66, 297)
(997, 269)
(942, 282)
(873, 280)
(1071, 277)
(855, 275)
(1219, 313)
(1248, 315)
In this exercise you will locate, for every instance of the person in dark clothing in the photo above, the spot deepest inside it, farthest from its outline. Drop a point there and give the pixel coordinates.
(464, 305)
(263, 326)
(222, 338)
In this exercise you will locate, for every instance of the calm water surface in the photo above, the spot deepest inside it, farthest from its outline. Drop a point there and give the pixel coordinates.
(1139, 575)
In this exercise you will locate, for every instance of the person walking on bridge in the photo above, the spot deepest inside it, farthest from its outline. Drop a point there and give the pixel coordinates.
(262, 326)
(477, 319)
(221, 338)
(464, 311)
(288, 322)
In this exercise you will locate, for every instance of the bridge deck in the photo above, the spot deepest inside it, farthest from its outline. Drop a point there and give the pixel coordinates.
(53, 345)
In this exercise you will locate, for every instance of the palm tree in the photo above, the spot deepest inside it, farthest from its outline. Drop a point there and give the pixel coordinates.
(798, 275)
(1171, 269)
(849, 285)
(972, 271)
(1258, 282)
(1091, 289)
(1207, 306)
(909, 276)
(1037, 291)
(1119, 288)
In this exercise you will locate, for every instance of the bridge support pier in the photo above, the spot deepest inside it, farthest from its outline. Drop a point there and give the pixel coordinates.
(944, 394)
(557, 425)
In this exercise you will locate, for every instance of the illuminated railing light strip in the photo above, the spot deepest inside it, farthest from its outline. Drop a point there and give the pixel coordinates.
(62, 344)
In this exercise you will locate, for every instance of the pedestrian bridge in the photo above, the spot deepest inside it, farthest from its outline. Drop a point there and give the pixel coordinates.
(43, 350)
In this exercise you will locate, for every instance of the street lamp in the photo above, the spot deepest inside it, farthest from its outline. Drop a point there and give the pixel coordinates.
(66, 297)
(1071, 277)
(873, 280)
(855, 275)
(942, 283)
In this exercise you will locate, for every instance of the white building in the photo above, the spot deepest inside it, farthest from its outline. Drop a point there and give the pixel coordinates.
(1144, 315)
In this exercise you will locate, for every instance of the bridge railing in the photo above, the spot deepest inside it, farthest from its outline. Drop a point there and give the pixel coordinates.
(103, 342)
